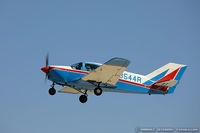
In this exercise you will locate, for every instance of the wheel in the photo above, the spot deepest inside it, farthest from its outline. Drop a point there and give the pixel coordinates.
(98, 91)
(52, 91)
(83, 98)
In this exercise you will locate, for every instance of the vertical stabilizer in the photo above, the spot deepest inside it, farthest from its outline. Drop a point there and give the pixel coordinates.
(171, 71)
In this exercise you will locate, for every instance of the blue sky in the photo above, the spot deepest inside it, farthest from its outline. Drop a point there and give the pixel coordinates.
(148, 33)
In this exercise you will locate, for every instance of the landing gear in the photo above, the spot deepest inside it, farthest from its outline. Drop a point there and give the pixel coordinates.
(52, 90)
(98, 91)
(83, 98)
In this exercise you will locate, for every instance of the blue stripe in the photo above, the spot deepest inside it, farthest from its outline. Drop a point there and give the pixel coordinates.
(131, 87)
(156, 78)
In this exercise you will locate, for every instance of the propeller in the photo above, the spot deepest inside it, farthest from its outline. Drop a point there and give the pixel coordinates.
(47, 68)
(47, 64)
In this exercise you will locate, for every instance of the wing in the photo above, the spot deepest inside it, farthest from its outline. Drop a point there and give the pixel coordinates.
(73, 91)
(109, 72)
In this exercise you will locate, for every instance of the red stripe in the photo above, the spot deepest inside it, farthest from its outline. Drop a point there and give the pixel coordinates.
(169, 76)
(70, 70)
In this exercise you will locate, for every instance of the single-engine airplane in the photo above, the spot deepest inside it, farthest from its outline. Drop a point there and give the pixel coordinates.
(89, 77)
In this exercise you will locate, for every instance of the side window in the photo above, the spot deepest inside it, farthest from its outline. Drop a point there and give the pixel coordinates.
(77, 66)
(90, 67)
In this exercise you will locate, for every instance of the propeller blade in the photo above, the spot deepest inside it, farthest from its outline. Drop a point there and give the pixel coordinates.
(47, 60)
(46, 77)
(47, 64)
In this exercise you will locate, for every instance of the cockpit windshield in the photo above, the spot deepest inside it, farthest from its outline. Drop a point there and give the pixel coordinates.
(85, 66)
(90, 67)
(77, 66)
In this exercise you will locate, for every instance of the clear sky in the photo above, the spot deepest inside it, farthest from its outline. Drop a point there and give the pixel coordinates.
(150, 33)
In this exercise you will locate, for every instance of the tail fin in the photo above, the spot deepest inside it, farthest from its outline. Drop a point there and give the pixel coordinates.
(169, 73)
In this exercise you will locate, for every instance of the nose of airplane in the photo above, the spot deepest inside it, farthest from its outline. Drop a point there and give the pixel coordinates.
(45, 69)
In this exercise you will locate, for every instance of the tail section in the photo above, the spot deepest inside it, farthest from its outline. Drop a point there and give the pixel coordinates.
(166, 78)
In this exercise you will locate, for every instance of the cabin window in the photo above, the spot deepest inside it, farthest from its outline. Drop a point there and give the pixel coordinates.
(77, 66)
(90, 67)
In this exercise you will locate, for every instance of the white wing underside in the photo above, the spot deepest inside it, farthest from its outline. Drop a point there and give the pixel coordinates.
(73, 91)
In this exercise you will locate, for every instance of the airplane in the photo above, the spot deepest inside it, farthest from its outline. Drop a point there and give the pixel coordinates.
(95, 78)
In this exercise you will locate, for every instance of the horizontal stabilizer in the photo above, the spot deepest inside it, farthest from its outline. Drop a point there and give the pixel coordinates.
(168, 83)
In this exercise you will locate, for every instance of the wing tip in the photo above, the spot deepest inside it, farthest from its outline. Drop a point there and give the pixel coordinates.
(118, 62)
